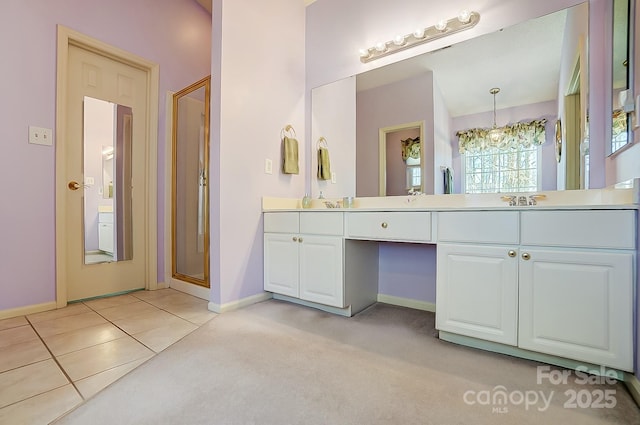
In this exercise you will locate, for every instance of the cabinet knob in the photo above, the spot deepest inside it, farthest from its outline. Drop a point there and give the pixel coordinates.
(526, 256)
(512, 253)
(295, 239)
(384, 225)
(300, 240)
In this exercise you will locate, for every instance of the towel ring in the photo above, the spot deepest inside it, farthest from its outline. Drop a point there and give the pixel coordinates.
(288, 129)
(322, 142)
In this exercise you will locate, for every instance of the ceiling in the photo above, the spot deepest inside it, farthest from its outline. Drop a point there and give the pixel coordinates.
(207, 3)
(522, 60)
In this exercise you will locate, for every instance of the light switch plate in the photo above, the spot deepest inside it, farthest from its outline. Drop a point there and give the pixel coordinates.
(268, 166)
(40, 136)
(333, 177)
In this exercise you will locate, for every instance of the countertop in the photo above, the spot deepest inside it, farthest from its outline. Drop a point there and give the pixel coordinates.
(625, 196)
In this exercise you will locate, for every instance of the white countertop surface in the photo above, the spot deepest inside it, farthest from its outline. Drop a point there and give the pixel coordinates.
(620, 197)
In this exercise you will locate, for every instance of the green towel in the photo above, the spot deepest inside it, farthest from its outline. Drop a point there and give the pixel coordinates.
(290, 155)
(324, 168)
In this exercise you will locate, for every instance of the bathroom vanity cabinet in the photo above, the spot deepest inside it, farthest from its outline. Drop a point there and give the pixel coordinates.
(303, 256)
(556, 283)
(105, 232)
(543, 283)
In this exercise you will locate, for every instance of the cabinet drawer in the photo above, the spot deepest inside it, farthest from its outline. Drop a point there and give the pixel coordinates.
(478, 226)
(396, 226)
(589, 229)
(105, 217)
(321, 223)
(282, 222)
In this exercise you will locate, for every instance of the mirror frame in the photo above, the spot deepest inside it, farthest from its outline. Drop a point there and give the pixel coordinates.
(629, 45)
(203, 177)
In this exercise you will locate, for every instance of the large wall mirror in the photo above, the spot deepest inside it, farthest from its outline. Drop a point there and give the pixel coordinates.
(107, 143)
(622, 74)
(190, 195)
(536, 64)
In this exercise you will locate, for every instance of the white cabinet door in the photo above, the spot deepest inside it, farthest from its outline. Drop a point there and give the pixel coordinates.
(105, 237)
(321, 270)
(281, 263)
(477, 291)
(578, 305)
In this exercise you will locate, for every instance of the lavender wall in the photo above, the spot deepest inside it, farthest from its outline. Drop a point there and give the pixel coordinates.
(257, 89)
(393, 104)
(414, 279)
(442, 141)
(174, 33)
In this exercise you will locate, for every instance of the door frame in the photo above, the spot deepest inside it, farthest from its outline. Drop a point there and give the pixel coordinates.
(382, 153)
(68, 37)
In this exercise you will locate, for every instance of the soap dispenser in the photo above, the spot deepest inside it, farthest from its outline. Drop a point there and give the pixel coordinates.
(306, 201)
(321, 195)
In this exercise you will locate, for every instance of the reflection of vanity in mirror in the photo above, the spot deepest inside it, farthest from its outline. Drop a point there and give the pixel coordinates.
(541, 68)
(107, 181)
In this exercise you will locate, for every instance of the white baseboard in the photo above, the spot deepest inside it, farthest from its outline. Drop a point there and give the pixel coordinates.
(633, 384)
(29, 309)
(235, 305)
(346, 311)
(189, 288)
(407, 302)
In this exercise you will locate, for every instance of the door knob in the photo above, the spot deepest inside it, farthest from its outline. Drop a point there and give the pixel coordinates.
(512, 253)
(526, 256)
(384, 225)
(74, 185)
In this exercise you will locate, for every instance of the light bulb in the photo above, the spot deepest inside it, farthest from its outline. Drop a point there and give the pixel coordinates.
(441, 25)
(398, 40)
(419, 33)
(381, 47)
(364, 53)
(464, 16)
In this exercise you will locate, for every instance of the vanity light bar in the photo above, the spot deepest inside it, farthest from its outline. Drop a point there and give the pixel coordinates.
(464, 21)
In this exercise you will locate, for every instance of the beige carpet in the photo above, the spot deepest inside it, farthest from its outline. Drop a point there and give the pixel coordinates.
(279, 363)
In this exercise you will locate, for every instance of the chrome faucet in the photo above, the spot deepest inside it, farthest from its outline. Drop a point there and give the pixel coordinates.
(511, 199)
(533, 199)
(522, 201)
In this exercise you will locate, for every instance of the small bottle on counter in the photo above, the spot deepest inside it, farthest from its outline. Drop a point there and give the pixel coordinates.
(306, 201)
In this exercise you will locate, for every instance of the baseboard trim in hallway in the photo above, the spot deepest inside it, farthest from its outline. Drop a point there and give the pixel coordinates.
(235, 305)
(29, 309)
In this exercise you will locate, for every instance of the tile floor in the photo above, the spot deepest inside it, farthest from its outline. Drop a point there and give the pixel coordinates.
(52, 361)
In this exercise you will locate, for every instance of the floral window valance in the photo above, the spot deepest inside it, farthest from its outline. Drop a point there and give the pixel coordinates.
(619, 122)
(410, 148)
(522, 134)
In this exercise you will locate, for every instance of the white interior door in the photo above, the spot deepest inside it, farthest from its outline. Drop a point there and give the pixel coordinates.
(99, 77)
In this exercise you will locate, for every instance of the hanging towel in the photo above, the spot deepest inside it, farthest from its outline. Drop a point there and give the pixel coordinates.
(324, 167)
(289, 155)
(448, 180)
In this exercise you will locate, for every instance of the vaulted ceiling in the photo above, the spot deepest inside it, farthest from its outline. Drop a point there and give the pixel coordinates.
(207, 3)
